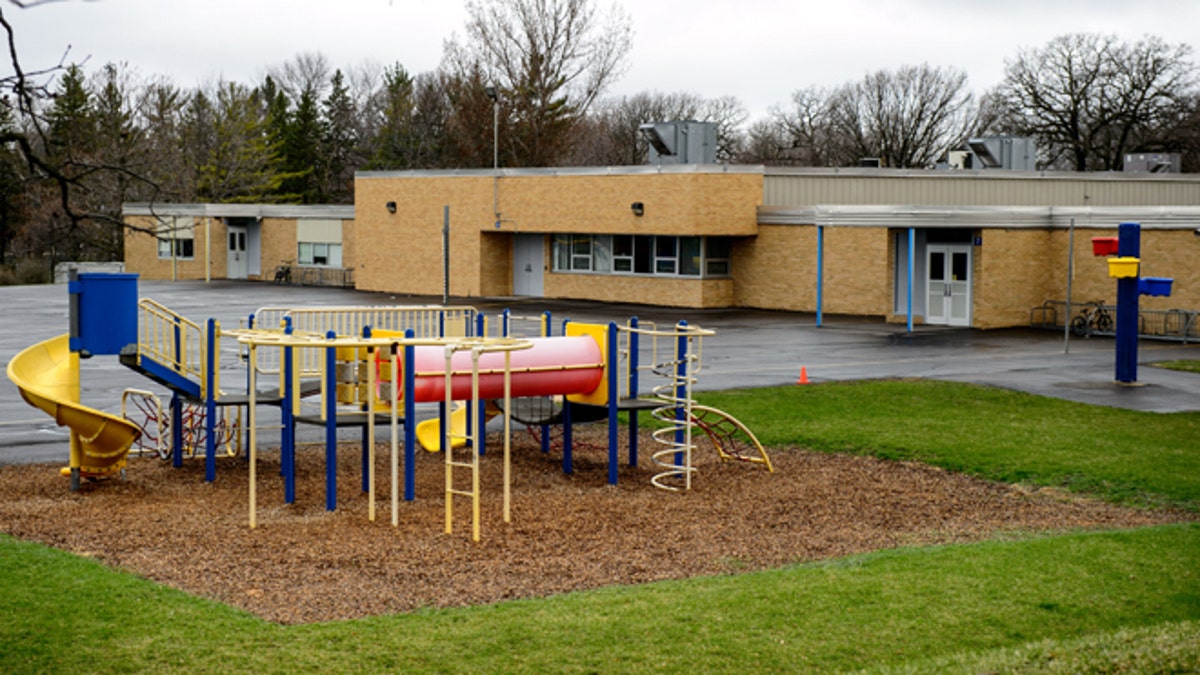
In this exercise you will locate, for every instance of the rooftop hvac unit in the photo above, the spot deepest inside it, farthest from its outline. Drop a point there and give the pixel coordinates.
(1014, 153)
(1152, 162)
(681, 142)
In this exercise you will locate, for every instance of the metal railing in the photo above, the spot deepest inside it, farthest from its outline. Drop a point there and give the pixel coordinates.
(1155, 324)
(430, 321)
(171, 340)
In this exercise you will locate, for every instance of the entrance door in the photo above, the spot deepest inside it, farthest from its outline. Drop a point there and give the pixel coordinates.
(949, 285)
(528, 261)
(237, 264)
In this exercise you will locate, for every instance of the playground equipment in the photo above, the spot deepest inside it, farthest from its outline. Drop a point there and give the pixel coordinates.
(368, 366)
(1124, 264)
(47, 373)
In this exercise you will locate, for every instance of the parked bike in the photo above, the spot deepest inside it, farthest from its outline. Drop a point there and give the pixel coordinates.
(1093, 318)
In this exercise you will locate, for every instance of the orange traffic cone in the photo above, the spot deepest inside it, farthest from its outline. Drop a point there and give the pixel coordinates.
(803, 376)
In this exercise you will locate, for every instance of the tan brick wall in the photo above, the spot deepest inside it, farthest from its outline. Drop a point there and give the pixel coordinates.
(777, 269)
(670, 292)
(141, 252)
(402, 252)
(277, 237)
(857, 279)
(1014, 271)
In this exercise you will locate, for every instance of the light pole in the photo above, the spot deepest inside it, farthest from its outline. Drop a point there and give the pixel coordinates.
(493, 94)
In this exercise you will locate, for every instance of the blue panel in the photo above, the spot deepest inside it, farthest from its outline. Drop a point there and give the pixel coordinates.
(108, 312)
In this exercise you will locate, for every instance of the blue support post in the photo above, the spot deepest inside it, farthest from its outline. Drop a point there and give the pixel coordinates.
(820, 274)
(912, 257)
(410, 419)
(633, 389)
(477, 410)
(546, 326)
(681, 373)
(366, 438)
(176, 406)
(1128, 246)
(331, 425)
(288, 421)
(210, 402)
(568, 432)
(613, 400)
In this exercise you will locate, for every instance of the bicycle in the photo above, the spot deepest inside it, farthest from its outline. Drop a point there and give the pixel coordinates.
(283, 273)
(1093, 318)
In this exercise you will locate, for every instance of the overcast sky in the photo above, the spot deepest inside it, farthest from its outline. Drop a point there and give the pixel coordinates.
(757, 50)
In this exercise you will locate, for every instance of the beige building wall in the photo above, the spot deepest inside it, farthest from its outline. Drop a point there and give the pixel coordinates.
(401, 252)
(777, 269)
(141, 250)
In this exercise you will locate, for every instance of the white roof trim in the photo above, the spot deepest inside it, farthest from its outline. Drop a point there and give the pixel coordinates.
(570, 171)
(907, 215)
(338, 211)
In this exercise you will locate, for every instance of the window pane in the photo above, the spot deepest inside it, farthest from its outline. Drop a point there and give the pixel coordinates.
(643, 254)
(689, 256)
(562, 252)
(622, 244)
(664, 247)
(717, 268)
(602, 253)
(305, 256)
(937, 266)
(320, 254)
(958, 261)
(335, 255)
(718, 247)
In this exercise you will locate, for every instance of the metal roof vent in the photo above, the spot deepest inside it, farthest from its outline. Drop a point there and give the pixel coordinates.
(1014, 153)
(681, 142)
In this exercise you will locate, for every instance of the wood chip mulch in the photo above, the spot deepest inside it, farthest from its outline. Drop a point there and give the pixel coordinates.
(303, 564)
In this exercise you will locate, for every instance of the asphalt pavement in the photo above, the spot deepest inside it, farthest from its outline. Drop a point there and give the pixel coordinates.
(749, 348)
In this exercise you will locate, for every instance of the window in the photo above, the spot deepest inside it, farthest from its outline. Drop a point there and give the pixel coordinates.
(319, 242)
(176, 239)
(319, 254)
(642, 254)
(665, 255)
(716, 256)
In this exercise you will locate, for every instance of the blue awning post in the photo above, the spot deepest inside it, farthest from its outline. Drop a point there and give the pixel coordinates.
(820, 273)
(912, 257)
(1128, 246)
(331, 424)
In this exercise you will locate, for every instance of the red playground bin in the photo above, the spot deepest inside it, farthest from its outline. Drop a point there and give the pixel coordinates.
(1102, 246)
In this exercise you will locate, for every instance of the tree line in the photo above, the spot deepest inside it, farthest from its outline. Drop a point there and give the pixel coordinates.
(76, 145)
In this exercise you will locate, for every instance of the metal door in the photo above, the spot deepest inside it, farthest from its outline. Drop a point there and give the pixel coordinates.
(529, 259)
(237, 264)
(949, 284)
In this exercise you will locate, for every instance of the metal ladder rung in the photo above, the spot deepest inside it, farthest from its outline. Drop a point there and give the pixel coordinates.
(464, 465)
(465, 493)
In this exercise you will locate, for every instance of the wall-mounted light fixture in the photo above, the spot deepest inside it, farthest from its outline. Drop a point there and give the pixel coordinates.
(391, 207)
(638, 208)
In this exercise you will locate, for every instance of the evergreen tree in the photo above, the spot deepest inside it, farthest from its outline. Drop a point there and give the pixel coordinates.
(72, 125)
(300, 151)
(338, 143)
(392, 147)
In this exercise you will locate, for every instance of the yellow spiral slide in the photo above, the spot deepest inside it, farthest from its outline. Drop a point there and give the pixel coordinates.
(47, 375)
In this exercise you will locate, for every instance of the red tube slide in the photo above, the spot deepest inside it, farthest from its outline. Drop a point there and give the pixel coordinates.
(553, 366)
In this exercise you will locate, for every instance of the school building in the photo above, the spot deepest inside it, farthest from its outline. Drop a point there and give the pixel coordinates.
(982, 248)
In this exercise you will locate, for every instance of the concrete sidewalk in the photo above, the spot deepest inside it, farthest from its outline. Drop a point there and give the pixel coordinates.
(750, 349)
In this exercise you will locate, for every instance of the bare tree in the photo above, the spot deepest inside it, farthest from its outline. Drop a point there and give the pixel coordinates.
(1091, 98)
(549, 59)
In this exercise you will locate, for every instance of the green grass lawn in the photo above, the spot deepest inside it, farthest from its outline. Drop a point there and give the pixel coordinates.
(1123, 455)
(1187, 366)
(1083, 602)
